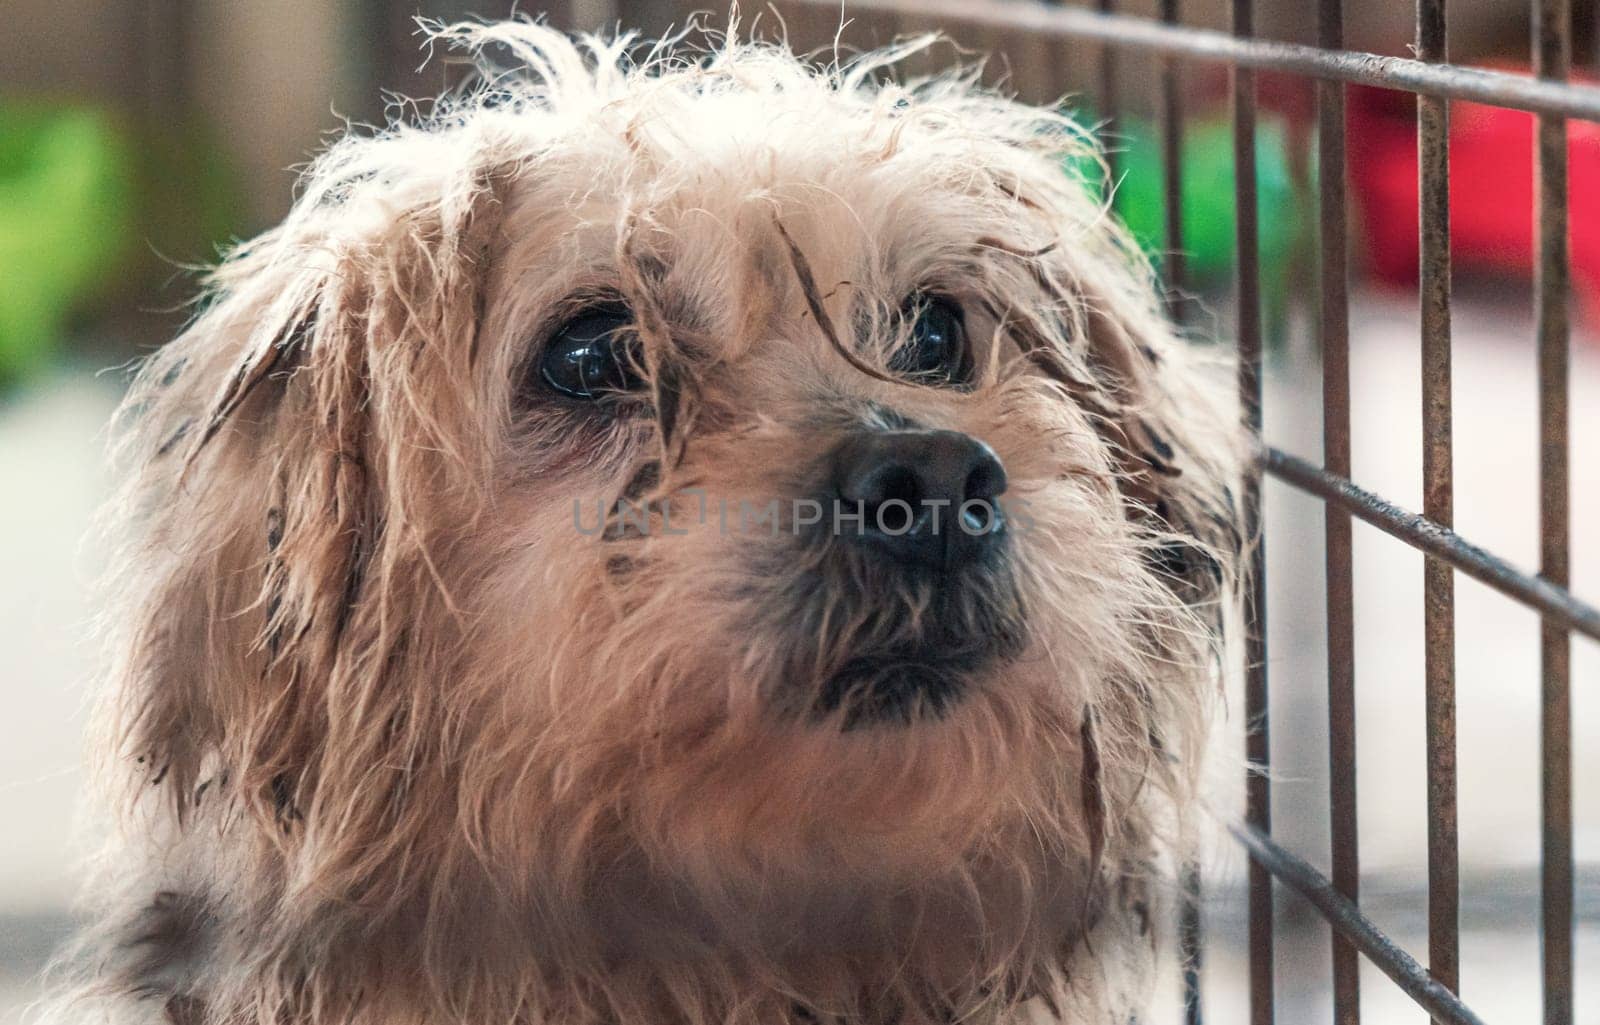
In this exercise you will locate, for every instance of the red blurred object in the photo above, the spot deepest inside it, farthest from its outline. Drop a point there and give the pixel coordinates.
(1491, 189)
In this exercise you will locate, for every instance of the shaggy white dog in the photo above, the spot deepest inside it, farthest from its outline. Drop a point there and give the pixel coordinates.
(663, 540)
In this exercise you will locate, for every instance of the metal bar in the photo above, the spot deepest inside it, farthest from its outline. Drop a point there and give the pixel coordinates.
(1333, 336)
(393, 55)
(1438, 501)
(1191, 945)
(1497, 88)
(1552, 602)
(1108, 97)
(1191, 939)
(1552, 60)
(1258, 747)
(1171, 118)
(1349, 922)
(592, 15)
(164, 36)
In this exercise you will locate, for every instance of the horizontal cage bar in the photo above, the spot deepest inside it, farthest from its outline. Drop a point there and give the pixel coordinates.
(1435, 81)
(1350, 923)
(1496, 88)
(1556, 604)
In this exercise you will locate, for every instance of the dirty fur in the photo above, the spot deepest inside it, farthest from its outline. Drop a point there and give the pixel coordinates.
(386, 739)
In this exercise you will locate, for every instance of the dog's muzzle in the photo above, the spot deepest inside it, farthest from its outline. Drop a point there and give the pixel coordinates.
(919, 497)
(918, 525)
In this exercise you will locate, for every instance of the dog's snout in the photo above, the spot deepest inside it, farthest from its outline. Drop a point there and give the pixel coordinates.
(922, 496)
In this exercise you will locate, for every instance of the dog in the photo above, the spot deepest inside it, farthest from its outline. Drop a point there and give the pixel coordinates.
(664, 539)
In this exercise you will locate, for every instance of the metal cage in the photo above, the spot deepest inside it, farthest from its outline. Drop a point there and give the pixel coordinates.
(1435, 82)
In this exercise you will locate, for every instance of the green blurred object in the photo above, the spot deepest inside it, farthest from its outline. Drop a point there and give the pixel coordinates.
(98, 212)
(1208, 209)
(66, 221)
(191, 202)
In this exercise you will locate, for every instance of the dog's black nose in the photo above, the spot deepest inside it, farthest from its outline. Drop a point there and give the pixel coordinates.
(927, 497)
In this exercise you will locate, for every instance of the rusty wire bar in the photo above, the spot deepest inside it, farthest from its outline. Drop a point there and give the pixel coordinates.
(392, 54)
(1554, 603)
(1108, 98)
(1436, 82)
(1258, 746)
(1191, 948)
(1496, 88)
(1438, 486)
(1552, 60)
(1346, 919)
(164, 34)
(1333, 337)
(1170, 116)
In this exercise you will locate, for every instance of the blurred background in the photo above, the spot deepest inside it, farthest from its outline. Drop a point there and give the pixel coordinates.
(139, 138)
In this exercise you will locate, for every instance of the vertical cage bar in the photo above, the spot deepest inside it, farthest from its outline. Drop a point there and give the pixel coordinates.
(393, 52)
(1190, 936)
(1433, 151)
(592, 15)
(1108, 94)
(1171, 119)
(1258, 748)
(163, 36)
(1552, 59)
(175, 26)
(1333, 336)
(1191, 944)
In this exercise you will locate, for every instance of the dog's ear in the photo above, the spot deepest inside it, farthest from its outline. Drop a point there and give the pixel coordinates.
(1092, 323)
(1177, 448)
(275, 455)
(1097, 327)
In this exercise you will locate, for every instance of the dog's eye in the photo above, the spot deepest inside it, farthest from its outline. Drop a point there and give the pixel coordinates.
(592, 354)
(937, 349)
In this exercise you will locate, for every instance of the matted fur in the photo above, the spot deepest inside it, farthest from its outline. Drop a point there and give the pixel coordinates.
(390, 740)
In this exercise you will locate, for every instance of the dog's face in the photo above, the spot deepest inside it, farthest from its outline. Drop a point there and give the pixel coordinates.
(666, 515)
